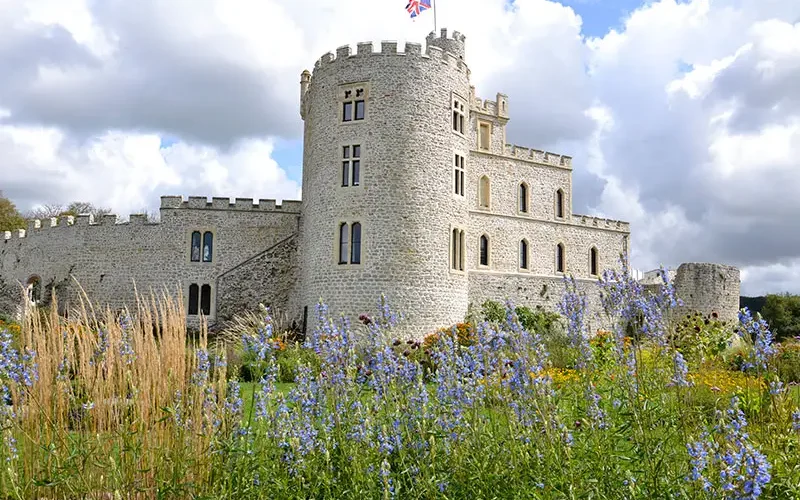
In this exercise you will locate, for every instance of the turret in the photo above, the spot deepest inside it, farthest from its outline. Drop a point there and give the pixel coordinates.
(379, 206)
(454, 45)
(305, 81)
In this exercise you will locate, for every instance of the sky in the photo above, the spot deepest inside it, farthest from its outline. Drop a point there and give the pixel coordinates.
(682, 117)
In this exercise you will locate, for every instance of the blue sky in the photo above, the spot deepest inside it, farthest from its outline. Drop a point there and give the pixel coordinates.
(598, 16)
(676, 129)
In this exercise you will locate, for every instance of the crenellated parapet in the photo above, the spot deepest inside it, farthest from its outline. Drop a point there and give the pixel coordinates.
(538, 156)
(497, 109)
(600, 223)
(239, 204)
(411, 51)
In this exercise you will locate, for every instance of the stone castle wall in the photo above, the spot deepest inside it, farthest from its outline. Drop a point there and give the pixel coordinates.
(709, 288)
(112, 261)
(404, 203)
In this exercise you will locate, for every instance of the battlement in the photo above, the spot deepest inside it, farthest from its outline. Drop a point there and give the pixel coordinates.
(448, 51)
(539, 156)
(598, 222)
(240, 204)
(497, 108)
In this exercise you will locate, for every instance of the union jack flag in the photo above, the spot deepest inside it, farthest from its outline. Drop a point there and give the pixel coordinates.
(414, 7)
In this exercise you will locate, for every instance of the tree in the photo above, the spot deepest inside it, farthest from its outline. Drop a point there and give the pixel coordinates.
(782, 313)
(10, 218)
(74, 209)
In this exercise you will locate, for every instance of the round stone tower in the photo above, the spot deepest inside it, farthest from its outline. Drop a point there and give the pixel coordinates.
(709, 288)
(379, 205)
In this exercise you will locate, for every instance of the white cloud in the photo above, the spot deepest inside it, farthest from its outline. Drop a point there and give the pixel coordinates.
(703, 162)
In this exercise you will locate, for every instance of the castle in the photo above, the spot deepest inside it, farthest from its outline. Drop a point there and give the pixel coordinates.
(409, 189)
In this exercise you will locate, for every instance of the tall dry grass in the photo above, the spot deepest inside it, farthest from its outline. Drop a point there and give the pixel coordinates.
(122, 402)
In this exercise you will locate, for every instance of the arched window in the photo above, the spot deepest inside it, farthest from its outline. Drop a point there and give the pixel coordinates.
(355, 249)
(523, 254)
(34, 289)
(194, 299)
(484, 192)
(560, 204)
(343, 243)
(205, 299)
(593, 261)
(208, 246)
(195, 250)
(484, 250)
(560, 260)
(523, 198)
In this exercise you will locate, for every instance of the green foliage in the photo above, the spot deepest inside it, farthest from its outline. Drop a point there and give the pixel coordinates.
(493, 311)
(788, 361)
(10, 218)
(288, 358)
(782, 312)
(701, 337)
(536, 320)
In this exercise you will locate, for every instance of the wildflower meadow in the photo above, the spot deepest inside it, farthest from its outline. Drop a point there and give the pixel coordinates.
(653, 406)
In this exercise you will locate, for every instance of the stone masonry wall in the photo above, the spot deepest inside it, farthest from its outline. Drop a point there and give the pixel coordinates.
(267, 278)
(708, 288)
(532, 291)
(112, 262)
(405, 202)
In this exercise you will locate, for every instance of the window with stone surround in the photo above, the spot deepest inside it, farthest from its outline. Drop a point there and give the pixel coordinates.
(349, 243)
(351, 165)
(355, 243)
(194, 299)
(484, 251)
(199, 299)
(457, 250)
(522, 195)
(484, 192)
(205, 300)
(560, 204)
(344, 242)
(484, 135)
(593, 264)
(560, 258)
(208, 246)
(195, 248)
(523, 254)
(458, 174)
(459, 114)
(353, 102)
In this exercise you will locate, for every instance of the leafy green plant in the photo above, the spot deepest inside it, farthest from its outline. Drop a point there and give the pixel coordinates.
(787, 361)
(701, 337)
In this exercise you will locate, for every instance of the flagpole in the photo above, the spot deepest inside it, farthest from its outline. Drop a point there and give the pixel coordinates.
(435, 30)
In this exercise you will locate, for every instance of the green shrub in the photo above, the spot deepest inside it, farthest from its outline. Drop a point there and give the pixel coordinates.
(787, 361)
(291, 358)
(701, 337)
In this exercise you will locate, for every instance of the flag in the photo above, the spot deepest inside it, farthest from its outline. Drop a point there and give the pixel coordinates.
(414, 7)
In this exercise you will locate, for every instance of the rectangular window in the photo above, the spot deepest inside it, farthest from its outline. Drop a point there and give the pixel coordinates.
(484, 136)
(354, 105)
(459, 115)
(351, 165)
(347, 112)
(458, 175)
(457, 250)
